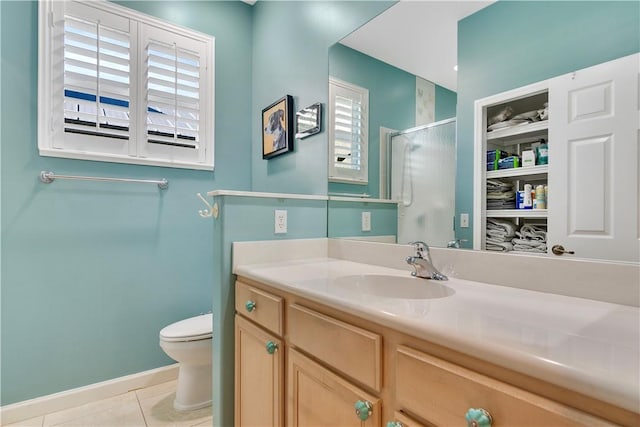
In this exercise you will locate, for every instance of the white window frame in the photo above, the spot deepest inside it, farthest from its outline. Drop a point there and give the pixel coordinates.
(53, 141)
(359, 173)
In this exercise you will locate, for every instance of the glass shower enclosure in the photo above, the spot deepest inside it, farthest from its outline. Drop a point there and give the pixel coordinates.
(422, 165)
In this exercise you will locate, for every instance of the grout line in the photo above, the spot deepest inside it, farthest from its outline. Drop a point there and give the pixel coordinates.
(140, 407)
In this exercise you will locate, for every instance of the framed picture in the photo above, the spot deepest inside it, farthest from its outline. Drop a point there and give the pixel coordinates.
(308, 121)
(277, 128)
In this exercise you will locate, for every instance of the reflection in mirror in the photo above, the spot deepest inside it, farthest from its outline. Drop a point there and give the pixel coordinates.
(398, 103)
(422, 179)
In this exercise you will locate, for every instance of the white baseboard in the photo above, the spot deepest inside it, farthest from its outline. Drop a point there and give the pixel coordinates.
(79, 396)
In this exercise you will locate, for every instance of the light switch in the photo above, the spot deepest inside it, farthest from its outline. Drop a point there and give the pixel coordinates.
(464, 220)
(281, 221)
(366, 221)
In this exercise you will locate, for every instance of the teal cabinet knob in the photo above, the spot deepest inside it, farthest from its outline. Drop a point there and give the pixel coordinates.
(478, 418)
(250, 306)
(364, 409)
(395, 424)
(271, 347)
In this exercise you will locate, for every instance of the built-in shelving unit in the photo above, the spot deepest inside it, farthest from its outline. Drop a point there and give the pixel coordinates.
(514, 140)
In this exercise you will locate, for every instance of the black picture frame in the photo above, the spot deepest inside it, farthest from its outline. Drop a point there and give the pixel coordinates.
(309, 121)
(277, 128)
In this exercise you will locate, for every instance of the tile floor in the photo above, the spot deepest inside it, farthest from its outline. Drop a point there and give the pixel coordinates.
(147, 407)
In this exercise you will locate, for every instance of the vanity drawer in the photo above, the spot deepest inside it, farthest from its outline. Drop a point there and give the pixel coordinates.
(260, 306)
(352, 350)
(442, 393)
(401, 420)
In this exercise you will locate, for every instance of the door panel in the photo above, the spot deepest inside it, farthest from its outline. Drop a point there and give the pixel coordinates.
(593, 156)
(318, 397)
(259, 377)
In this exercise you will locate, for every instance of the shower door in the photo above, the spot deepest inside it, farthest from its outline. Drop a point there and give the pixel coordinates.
(423, 172)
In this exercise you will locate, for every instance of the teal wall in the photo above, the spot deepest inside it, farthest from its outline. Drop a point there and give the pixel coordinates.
(514, 43)
(446, 103)
(344, 218)
(92, 271)
(291, 41)
(247, 219)
(392, 104)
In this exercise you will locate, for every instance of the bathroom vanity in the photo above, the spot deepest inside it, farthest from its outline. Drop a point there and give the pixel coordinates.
(327, 341)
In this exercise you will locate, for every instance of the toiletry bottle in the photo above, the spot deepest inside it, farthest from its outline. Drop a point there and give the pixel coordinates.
(528, 201)
(540, 201)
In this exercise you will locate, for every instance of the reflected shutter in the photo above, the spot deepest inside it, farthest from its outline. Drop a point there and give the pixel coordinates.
(348, 129)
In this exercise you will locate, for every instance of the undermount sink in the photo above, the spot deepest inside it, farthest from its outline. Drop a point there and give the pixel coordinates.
(387, 286)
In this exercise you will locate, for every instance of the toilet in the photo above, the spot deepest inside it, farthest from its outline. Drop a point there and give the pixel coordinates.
(189, 343)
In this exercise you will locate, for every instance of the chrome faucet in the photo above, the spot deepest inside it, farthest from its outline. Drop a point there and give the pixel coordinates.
(422, 264)
(456, 243)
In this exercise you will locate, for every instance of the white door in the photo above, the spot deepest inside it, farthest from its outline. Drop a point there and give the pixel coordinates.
(593, 161)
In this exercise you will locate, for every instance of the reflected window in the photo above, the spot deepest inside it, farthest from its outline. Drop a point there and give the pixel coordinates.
(348, 132)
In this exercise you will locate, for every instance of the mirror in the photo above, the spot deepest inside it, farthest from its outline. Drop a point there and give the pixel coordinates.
(493, 60)
(405, 161)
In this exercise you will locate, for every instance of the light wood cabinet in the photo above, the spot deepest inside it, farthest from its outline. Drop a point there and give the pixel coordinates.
(259, 358)
(318, 397)
(335, 361)
(353, 351)
(261, 307)
(442, 393)
(402, 420)
(259, 376)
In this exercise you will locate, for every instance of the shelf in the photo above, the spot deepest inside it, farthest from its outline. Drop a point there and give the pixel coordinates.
(533, 172)
(516, 213)
(520, 133)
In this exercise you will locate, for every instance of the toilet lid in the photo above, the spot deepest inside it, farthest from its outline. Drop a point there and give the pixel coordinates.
(194, 328)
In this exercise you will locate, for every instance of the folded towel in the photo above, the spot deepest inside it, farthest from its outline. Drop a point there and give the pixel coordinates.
(496, 184)
(508, 195)
(525, 248)
(499, 234)
(534, 232)
(529, 243)
(499, 247)
(498, 224)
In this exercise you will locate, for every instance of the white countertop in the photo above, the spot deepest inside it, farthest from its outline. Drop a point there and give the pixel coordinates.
(588, 346)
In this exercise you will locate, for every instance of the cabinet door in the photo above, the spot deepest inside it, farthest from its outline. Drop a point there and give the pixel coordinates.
(259, 376)
(318, 397)
(593, 161)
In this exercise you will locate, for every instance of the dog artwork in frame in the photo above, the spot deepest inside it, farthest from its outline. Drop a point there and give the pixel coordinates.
(277, 128)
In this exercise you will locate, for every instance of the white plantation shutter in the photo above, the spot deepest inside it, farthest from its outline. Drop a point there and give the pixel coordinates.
(173, 103)
(348, 132)
(175, 67)
(117, 85)
(96, 79)
(173, 87)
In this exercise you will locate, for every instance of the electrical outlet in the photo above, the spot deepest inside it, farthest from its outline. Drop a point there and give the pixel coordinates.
(464, 220)
(366, 221)
(280, 221)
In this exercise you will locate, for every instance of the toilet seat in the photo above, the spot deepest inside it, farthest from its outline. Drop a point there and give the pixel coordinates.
(192, 329)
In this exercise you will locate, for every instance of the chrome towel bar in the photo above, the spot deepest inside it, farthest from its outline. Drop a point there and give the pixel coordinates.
(48, 177)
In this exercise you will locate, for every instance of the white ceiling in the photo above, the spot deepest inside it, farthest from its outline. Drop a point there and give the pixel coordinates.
(417, 36)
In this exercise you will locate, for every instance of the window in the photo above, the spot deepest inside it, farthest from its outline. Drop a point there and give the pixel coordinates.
(119, 86)
(348, 132)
